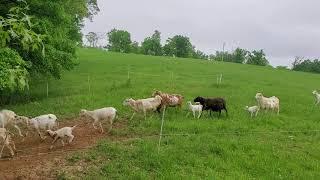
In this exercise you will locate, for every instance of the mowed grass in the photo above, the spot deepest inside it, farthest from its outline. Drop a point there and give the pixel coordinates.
(230, 147)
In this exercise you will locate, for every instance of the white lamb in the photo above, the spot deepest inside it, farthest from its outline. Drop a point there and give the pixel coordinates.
(99, 115)
(253, 110)
(143, 105)
(271, 103)
(317, 96)
(44, 122)
(61, 134)
(6, 141)
(195, 108)
(8, 118)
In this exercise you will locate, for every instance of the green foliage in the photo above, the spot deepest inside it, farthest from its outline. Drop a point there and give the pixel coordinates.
(197, 54)
(119, 41)
(257, 57)
(179, 46)
(92, 38)
(13, 71)
(135, 48)
(306, 65)
(152, 45)
(240, 55)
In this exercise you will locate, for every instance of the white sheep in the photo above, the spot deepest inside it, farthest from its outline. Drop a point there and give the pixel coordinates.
(60, 134)
(253, 110)
(271, 103)
(99, 115)
(8, 118)
(317, 96)
(44, 122)
(143, 105)
(195, 108)
(5, 138)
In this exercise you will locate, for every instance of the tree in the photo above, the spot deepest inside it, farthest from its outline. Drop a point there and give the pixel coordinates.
(257, 57)
(240, 55)
(152, 45)
(92, 38)
(135, 48)
(179, 46)
(119, 41)
(224, 56)
(306, 65)
(39, 37)
(197, 54)
(15, 30)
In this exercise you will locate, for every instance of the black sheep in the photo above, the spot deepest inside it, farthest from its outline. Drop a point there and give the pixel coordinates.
(212, 104)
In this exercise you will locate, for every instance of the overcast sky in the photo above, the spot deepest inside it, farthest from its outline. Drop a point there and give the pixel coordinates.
(283, 28)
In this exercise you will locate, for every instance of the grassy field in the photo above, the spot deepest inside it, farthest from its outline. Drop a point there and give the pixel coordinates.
(230, 147)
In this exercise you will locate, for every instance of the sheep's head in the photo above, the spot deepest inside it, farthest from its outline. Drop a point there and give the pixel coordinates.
(258, 96)
(199, 99)
(155, 93)
(127, 102)
(189, 103)
(246, 107)
(22, 119)
(158, 97)
(51, 133)
(83, 113)
(314, 92)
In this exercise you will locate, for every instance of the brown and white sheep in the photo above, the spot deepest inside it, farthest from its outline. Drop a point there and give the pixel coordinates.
(169, 100)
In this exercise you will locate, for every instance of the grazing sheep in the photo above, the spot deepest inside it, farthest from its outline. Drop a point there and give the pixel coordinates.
(143, 105)
(43, 122)
(253, 110)
(7, 118)
(213, 104)
(60, 134)
(317, 96)
(5, 138)
(195, 108)
(99, 115)
(271, 103)
(169, 100)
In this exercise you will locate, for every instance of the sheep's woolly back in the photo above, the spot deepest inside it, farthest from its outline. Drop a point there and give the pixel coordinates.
(100, 114)
(169, 99)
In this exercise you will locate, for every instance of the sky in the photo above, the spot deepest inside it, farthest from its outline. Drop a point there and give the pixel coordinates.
(282, 28)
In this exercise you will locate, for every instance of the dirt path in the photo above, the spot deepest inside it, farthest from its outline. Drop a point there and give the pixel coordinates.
(34, 160)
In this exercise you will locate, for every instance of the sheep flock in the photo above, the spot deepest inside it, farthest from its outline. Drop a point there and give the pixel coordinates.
(47, 125)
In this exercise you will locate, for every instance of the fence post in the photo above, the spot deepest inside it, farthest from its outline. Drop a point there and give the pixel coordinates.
(128, 72)
(89, 87)
(172, 82)
(162, 121)
(220, 78)
(47, 89)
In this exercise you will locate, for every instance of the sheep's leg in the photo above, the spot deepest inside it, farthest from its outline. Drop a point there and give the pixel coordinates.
(94, 124)
(194, 114)
(187, 114)
(251, 114)
(145, 114)
(71, 138)
(17, 127)
(110, 128)
(10, 149)
(40, 135)
(132, 115)
(219, 113)
(54, 140)
(102, 131)
(62, 142)
(200, 112)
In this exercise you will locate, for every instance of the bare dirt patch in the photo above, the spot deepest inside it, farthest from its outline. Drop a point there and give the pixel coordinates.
(34, 160)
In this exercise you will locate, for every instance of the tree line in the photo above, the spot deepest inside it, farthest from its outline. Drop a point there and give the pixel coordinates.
(176, 46)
